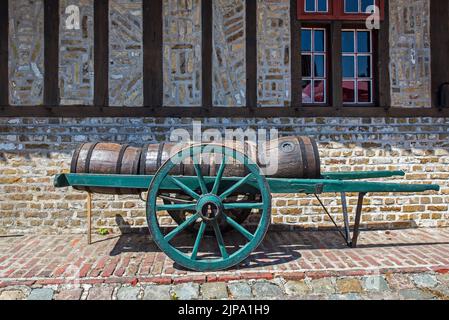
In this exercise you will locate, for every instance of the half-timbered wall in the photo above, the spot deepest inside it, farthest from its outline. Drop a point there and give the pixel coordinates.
(34, 149)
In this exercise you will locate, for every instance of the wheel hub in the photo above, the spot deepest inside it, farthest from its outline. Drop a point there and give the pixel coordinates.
(210, 207)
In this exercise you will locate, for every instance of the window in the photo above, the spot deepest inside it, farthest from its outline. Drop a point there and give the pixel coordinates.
(337, 9)
(357, 66)
(322, 80)
(316, 6)
(314, 65)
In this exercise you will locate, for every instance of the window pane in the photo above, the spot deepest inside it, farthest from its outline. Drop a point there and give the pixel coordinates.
(319, 40)
(310, 5)
(364, 91)
(348, 91)
(366, 4)
(306, 65)
(322, 5)
(352, 6)
(348, 67)
(348, 41)
(363, 41)
(319, 91)
(307, 91)
(306, 40)
(364, 67)
(319, 66)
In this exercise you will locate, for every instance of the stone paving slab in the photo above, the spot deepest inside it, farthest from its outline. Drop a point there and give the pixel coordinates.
(354, 288)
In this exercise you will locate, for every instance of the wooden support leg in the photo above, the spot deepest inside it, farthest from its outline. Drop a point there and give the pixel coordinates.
(358, 216)
(89, 218)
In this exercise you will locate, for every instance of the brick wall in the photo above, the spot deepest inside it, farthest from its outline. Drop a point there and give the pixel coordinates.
(32, 151)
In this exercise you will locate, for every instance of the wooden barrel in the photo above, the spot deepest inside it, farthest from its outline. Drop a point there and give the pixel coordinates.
(298, 157)
(155, 155)
(106, 158)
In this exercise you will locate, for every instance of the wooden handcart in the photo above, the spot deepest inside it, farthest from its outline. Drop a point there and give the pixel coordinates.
(212, 231)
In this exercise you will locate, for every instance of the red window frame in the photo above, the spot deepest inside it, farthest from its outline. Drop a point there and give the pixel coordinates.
(336, 12)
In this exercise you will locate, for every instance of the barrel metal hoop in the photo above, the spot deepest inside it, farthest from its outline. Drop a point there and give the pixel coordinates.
(75, 159)
(305, 162)
(317, 158)
(143, 160)
(89, 156)
(118, 168)
(159, 155)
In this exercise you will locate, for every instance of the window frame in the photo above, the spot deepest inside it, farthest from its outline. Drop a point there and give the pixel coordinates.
(336, 11)
(327, 66)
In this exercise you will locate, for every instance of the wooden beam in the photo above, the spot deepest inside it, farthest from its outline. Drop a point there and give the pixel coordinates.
(439, 38)
(206, 43)
(337, 74)
(153, 89)
(251, 53)
(4, 83)
(229, 112)
(101, 55)
(383, 87)
(295, 47)
(51, 52)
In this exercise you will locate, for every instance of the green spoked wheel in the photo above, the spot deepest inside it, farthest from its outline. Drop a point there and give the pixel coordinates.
(208, 209)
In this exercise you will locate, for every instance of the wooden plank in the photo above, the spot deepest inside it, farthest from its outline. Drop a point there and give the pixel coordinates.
(296, 72)
(51, 52)
(439, 37)
(152, 53)
(383, 87)
(251, 54)
(101, 52)
(4, 83)
(231, 112)
(337, 74)
(206, 43)
(277, 185)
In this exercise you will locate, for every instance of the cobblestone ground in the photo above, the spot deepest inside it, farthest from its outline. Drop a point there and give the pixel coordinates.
(400, 264)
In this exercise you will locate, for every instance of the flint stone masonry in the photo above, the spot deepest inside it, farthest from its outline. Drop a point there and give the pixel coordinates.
(126, 53)
(26, 52)
(273, 58)
(182, 52)
(76, 43)
(410, 53)
(229, 60)
(43, 147)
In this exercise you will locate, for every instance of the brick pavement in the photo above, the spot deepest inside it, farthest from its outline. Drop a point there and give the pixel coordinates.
(135, 258)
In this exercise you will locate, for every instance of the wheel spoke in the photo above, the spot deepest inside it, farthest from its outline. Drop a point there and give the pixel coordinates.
(228, 192)
(196, 164)
(179, 229)
(241, 205)
(175, 200)
(199, 237)
(185, 188)
(248, 235)
(220, 240)
(181, 206)
(219, 176)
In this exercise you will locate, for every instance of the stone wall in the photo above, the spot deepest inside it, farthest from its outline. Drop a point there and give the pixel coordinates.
(125, 53)
(26, 47)
(32, 151)
(182, 53)
(76, 61)
(410, 53)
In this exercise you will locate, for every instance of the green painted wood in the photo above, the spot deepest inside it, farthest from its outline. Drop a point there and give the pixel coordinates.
(309, 186)
(193, 261)
(357, 175)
